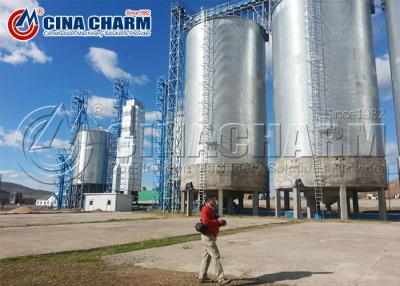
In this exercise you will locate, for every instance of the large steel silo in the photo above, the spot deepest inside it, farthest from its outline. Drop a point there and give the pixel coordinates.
(231, 67)
(90, 163)
(326, 94)
(393, 27)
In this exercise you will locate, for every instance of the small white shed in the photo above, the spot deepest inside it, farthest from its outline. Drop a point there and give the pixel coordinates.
(109, 202)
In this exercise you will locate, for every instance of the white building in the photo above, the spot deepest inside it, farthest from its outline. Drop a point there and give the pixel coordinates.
(127, 174)
(109, 202)
(49, 201)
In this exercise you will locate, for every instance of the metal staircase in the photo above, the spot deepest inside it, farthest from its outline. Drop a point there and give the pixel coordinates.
(317, 88)
(207, 140)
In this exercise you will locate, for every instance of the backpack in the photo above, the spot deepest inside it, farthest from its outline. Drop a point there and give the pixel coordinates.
(202, 228)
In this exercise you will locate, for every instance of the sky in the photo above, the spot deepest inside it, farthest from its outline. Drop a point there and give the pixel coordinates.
(41, 74)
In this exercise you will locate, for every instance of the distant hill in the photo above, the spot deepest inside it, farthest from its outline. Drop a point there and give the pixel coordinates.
(12, 188)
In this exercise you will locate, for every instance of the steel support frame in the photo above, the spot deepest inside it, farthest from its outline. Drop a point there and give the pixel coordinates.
(78, 122)
(162, 89)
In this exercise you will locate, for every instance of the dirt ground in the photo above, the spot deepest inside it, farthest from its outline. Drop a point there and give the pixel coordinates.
(60, 237)
(305, 254)
(100, 274)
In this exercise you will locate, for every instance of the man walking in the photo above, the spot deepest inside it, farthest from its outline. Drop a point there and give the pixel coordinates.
(208, 239)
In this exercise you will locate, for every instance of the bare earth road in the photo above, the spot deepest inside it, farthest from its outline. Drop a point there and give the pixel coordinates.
(19, 241)
(311, 253)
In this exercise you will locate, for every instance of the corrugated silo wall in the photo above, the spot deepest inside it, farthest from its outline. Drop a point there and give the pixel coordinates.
(351, 133)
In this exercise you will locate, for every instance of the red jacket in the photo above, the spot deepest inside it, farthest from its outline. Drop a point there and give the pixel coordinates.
(209, 219)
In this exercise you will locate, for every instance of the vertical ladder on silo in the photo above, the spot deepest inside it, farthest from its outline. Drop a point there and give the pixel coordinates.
(314, 37)
(207, 88)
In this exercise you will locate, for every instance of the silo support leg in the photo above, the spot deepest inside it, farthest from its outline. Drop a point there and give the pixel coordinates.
(189, 210)
(220, 202)
(311, 206)
(356, 208)
(278, 203)
(348, 205)
(183, 201)
(296, 203)
(230, 203)
(343, 203)
(267, 201)
(255, 203)
(241, 201)
(382, 205)
(286, 200)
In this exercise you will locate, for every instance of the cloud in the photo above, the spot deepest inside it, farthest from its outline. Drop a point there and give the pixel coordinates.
(147, 144)
(11, 50)
(150, 131)
(391, 149)
(10, 138)
(386, 95)
(106, 62)
(152, 116)
(11, 174)
(60, 143)
(140, 80)
(100, 107)
(383, 71)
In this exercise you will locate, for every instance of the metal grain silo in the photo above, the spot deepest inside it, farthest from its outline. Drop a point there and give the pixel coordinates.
(326, 99)
(393, 27)
(231, 67)
(90, 163)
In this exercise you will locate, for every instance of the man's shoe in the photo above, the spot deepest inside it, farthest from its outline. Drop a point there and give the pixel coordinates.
(224, 282)
(205, 280)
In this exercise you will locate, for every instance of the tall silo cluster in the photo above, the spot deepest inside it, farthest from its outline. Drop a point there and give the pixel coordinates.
(92, 152)
(329, 135)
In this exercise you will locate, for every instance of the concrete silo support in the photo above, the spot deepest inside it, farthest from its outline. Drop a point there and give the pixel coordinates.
(348, 206)
(189, 208)
(220, 202)
(277, 203)
(311, 206)
(344, 215)
(296, 203)
(230, 203)
(356, 208)
(183, 200)
(268, 201)
(382, 205)
(286, 200)
(241, 197)
(255, 203)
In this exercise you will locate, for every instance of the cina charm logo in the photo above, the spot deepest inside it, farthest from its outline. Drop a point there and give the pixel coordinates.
(23, 25)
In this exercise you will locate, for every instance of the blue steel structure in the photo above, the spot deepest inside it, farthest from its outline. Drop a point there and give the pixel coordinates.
(121, 94)
(170, 126)
(78, 121)
(162, 89)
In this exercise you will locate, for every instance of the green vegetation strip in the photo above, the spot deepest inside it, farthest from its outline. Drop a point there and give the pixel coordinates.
(83, 222)
(92, 255)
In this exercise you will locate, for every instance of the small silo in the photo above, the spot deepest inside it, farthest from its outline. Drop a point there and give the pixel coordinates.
(393, 27)
(225, 90)
(326, 102)
(90, 163)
